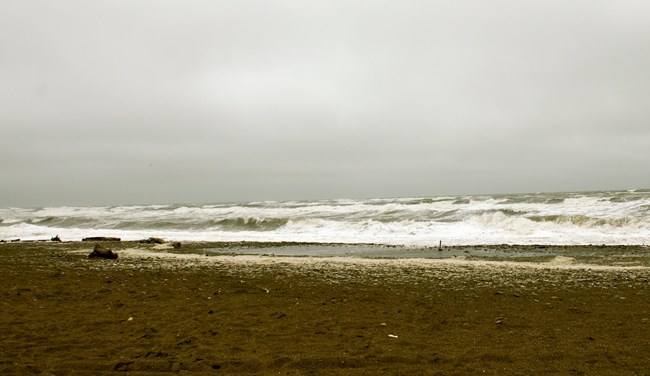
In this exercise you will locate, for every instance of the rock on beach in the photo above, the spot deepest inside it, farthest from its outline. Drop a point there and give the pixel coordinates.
(102, 252)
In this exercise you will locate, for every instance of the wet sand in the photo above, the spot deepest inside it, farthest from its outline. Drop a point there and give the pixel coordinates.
(153, 311)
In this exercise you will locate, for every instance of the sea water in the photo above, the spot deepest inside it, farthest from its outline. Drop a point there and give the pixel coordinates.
(612, 217)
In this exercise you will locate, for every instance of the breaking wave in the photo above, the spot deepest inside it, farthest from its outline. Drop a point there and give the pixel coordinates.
(615, 217)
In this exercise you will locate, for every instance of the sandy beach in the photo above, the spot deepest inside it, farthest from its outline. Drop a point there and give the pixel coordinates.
(153, 311)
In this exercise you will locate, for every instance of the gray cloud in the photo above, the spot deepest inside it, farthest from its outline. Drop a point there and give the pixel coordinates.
(162, 101)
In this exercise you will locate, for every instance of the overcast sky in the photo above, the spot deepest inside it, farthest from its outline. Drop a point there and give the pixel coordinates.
(118, 102)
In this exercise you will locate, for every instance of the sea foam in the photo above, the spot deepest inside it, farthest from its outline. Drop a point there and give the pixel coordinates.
(615, 217)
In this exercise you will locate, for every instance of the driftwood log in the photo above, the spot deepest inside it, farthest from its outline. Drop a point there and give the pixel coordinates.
(153, 240)
(102, 252)
(101, 239)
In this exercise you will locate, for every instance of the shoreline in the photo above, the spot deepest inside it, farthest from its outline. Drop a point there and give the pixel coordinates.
(550, 255)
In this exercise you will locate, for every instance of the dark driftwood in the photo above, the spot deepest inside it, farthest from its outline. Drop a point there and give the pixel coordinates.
(153, 241)
(102, 252)
(101, 239)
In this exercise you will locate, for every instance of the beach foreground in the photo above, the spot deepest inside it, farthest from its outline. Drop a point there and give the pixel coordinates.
(152, 312)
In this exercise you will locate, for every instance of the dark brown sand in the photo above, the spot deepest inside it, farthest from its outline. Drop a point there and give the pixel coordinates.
(63, 314)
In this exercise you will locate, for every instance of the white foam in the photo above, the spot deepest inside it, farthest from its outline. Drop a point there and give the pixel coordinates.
(597, 218)
(560, 262)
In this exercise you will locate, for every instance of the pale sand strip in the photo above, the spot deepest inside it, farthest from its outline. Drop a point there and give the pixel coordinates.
(559, 262)
(457, 274)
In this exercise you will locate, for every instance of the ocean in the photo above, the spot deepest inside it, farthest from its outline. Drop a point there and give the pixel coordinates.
(575, 218)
